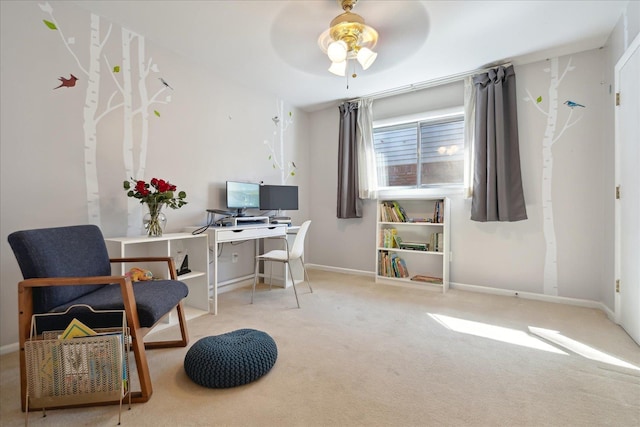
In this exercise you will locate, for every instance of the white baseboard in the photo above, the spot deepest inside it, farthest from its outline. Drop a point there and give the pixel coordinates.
(9, 348)
(232, 284)
(340, 270)
(533, 296)
(494, 291)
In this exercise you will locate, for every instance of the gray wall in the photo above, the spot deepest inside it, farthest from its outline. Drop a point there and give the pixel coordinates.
(208, 132)
(347, 244)
(507, 255)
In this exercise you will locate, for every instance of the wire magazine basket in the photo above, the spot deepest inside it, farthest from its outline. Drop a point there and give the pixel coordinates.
(86, 369)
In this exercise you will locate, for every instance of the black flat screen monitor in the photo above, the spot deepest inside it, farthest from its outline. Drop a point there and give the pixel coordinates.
(242, 196)
(278, 197)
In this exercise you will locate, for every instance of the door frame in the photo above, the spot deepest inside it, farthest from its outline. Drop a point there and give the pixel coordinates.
(629, 52)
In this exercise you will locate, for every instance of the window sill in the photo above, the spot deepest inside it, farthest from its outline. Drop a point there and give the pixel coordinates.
(457, 192)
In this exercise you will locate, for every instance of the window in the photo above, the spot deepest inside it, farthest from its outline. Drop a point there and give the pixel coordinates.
(424, 153)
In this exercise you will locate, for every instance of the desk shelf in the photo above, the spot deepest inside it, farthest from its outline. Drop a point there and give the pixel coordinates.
(173, 245)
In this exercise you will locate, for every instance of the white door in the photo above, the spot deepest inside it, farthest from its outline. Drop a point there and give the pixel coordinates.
(627, 258)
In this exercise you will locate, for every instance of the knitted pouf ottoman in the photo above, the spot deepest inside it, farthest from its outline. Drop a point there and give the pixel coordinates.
(231, 359)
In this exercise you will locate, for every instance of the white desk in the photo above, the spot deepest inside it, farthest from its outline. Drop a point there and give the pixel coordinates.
(218, 235)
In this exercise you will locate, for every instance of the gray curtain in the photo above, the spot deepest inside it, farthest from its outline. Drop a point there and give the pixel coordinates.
(497, 181)
(349, 204)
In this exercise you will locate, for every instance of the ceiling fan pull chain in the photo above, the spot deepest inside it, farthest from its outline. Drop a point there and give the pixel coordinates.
(347, 77)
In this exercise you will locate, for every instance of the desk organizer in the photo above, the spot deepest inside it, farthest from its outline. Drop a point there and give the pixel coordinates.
(77, 371)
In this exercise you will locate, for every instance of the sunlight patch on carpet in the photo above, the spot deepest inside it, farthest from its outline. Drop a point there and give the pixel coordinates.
(580, 348)
(497, 333)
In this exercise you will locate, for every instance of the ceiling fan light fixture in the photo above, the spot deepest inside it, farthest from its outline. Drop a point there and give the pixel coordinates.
(338, 68)
(366, 57)
(337, 51)
(348, 37)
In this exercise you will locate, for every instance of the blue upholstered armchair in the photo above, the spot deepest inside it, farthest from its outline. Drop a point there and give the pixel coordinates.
(66, 266)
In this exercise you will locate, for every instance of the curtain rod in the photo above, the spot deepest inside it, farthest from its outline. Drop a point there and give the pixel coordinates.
(427, 84)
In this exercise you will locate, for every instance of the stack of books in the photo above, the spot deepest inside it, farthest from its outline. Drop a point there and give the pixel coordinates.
(415, 246)
(391, 211)
(389, 238)
(437, 244)
(438, 212)
(391, 265)
(427, 279)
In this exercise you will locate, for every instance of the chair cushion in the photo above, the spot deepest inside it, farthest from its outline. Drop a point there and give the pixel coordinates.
(154, 299)
(74, 251)
(276, 255)
(231, 359)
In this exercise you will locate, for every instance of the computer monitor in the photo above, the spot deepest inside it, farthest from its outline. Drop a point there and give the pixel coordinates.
(242, 196)
(278, 197)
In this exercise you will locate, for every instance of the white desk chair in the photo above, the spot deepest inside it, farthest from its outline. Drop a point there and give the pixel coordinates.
(285, 257)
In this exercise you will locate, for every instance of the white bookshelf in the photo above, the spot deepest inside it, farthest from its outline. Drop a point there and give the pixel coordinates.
(432, 262)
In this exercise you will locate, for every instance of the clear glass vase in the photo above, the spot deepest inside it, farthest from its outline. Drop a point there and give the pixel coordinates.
(154, 221)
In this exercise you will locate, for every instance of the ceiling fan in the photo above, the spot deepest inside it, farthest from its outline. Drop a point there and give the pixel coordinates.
(348, 38)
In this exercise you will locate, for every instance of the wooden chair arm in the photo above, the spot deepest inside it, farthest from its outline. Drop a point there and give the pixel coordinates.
(70, 281)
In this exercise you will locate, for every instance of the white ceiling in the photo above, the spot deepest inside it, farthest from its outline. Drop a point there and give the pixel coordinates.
(272, 45)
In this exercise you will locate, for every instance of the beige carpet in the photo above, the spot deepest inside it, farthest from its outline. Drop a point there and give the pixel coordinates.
(361, 354)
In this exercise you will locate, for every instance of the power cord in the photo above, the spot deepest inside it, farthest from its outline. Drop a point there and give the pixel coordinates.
(211, 216)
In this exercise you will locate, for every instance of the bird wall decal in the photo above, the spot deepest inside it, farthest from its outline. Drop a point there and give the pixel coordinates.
(70, 82)
(572, 104)
(165, 83)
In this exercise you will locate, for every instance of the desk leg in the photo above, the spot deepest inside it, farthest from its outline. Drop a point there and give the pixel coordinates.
(256, 253)
(264, 265)
(214, 308)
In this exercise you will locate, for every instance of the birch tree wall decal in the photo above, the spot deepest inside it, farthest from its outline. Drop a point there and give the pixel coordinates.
(134, 48)
(282, 123)
(550, 138)
(126, 87)
(92, 74)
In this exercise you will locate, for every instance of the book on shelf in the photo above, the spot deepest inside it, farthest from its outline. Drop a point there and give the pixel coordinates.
(391, 265)
(399, 267)
(397, 240)
(391, 211)
(402, 215)
(419, 220)
(436, 243)
(427, 279)
(438, 212)
(389, 238)
(415, 246)
(386, 215)
(403, 267)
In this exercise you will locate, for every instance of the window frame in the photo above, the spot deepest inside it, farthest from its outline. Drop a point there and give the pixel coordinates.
(434, 190)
